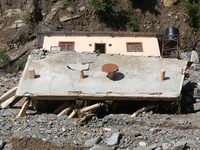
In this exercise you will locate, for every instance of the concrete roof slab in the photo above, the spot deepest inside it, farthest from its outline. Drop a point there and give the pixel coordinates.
(138, 77)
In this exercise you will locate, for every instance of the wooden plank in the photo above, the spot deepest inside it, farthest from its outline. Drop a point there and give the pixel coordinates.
(25, 106)
(10, 102)
(61, 107)
(8, 94)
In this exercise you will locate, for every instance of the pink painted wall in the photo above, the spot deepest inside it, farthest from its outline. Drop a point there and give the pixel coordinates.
(150, 44)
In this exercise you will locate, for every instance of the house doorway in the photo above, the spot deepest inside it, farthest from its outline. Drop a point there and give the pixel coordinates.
(100, 47)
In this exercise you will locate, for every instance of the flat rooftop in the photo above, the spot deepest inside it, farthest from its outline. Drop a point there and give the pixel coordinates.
(57, 77)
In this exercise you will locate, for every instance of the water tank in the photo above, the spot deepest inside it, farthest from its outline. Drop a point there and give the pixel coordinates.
(171, 33)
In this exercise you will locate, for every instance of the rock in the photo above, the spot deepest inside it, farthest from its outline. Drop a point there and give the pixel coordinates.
(2, 143)
(91, 142)
(114, 139)
(97, 147)
(197, 46)
(194, 66)
(143, 144)
(152, 130)
(180, 145)
(70, 9)
(82, 8)
(67, 18)
(153, 146)
(165, 146)
(170, 2)
(194, 57)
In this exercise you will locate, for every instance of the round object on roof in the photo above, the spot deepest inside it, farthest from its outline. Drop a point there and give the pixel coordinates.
(110, 68)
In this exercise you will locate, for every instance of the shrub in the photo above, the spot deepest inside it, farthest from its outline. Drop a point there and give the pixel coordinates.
(68, 2)
(192, 9)
(4, 60)
(132, 23)
(107, 9)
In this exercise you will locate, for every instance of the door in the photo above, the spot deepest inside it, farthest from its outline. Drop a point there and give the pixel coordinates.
(100, 47)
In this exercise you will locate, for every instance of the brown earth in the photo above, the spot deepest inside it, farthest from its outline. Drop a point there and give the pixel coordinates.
(35, 144)
(153, 16)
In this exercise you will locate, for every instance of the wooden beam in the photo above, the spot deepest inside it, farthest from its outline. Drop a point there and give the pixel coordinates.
(8, 94)
(73, 113)
(87, 116)
(95, 106)
(10, 102)
(33, 103)
(70, 98)
(146, 108)
(61, 107)
(65, 111)
(25, 106)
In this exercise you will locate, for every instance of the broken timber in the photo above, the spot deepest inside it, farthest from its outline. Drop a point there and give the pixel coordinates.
(10, 102)
(65, 111)
(25, 106)
(8, 94)
(95, 106)
(146, 108)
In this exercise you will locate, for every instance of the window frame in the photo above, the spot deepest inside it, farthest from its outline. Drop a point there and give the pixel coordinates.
(66, 45)
(134, 46)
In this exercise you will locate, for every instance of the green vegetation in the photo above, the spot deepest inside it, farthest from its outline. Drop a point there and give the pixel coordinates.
(107, 9)
(112, 13)
(15, 67)
(132, 23)
(68, 2)
(6, 64)
(192, 9)
(4, 60)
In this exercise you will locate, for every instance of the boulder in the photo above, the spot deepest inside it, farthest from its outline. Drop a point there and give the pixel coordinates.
(170, 2)
(91, 142)
(180, 145)
(114, 139)
(194, 57)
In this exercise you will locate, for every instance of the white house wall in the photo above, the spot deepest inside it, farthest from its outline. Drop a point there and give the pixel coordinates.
(150, 44)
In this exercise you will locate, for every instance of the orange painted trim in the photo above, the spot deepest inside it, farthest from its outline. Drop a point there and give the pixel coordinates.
(66, 44)
(134, 46)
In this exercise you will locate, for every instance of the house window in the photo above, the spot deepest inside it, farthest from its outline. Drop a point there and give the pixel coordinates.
(134, 47)
(66, 46)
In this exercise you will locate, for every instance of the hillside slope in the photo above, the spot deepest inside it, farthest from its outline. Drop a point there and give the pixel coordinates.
(20, 19)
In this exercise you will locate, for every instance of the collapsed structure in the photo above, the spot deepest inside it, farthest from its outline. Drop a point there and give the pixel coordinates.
(57, 77)
(62, 72)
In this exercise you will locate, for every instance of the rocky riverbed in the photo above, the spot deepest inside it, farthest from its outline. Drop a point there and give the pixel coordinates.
(148, 131)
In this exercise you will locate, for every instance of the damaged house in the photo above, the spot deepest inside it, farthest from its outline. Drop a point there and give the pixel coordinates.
(77, 76)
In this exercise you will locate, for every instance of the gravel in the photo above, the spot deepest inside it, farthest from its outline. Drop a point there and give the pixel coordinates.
(155, 130)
